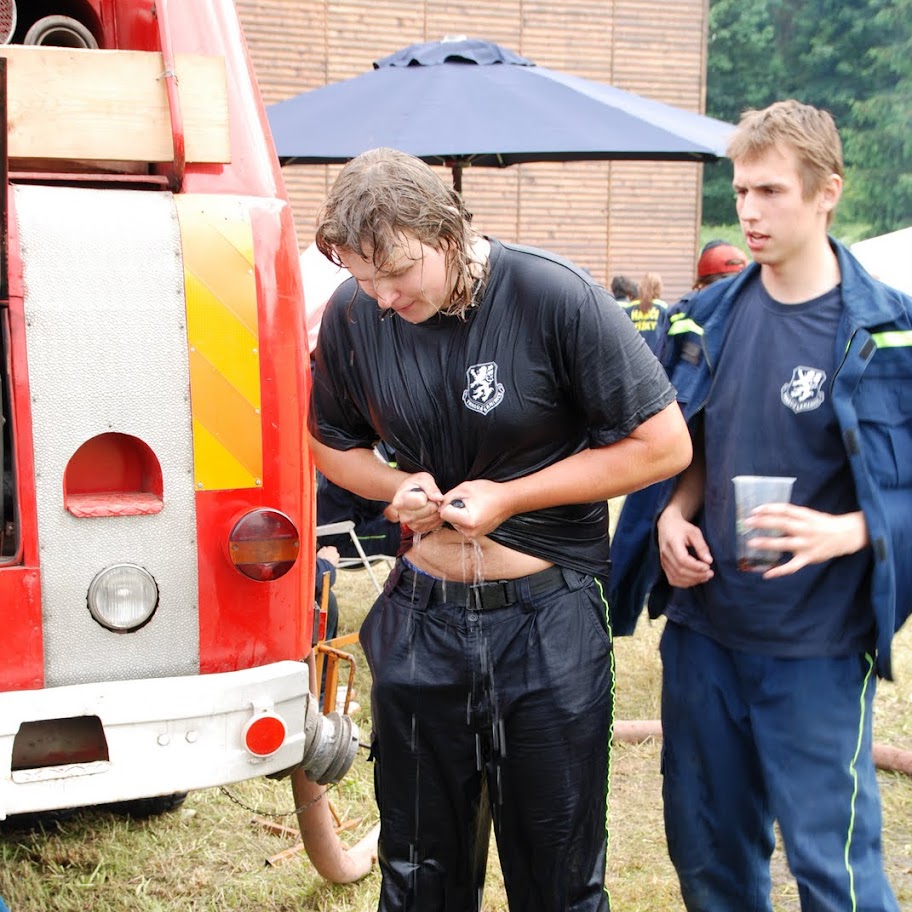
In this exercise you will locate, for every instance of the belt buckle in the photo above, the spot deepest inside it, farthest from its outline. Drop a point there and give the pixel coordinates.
(488, 595)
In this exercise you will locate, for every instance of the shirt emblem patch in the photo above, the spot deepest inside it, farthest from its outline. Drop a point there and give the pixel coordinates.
(482, 392)
(804, 392)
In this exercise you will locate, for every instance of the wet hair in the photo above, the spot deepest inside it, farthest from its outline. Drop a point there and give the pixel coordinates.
(384, 194)
(650, 287)
(810, 132)
(622, 287)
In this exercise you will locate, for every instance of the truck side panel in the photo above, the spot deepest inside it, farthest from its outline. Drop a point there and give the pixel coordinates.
(107, 345)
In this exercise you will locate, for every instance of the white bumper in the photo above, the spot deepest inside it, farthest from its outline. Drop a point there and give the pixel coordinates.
(163, 735)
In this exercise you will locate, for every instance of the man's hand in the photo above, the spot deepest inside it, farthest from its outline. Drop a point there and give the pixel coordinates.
(685, 556)
(417, 502)
(329, 553)
(476, 508)
(809, 535)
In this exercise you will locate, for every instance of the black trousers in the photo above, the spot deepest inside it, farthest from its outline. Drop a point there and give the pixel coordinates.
(491, 703)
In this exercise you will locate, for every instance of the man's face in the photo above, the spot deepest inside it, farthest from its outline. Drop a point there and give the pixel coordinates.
(414, 283)
(779, 224)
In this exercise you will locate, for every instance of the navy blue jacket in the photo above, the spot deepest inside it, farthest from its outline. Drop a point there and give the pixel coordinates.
(872, 398)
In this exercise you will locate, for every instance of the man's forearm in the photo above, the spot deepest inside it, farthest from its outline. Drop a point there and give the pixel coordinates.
(689, 492)
(358, 471)
(658, 449)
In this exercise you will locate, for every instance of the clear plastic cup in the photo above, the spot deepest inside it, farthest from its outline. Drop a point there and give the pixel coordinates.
(753, 491)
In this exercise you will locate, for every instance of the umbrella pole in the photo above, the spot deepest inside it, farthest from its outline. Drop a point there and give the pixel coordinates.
(457, 177)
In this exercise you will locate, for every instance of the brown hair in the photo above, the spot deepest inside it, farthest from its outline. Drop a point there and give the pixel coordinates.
(810, 132)
(650, 287)
(384, 193)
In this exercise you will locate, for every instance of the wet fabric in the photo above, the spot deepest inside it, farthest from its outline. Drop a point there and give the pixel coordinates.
(749, 739)
(500, 714)
(545, 366)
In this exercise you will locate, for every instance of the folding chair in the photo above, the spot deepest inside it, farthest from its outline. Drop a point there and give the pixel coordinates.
(340, 528)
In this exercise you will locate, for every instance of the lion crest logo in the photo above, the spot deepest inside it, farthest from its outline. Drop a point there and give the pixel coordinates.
(804, 392)
(482, 392)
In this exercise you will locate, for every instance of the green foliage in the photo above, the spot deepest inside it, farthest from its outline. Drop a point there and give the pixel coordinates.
(879, 143)
(742, 44)
(718, 198)
(854, 60)
(847, 231)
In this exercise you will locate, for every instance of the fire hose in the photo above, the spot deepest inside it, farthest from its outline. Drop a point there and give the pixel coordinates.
(890, 759)
(321, 842)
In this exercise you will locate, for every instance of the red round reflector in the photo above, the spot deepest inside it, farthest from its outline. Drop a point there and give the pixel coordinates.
(263, 545)
(264, 734)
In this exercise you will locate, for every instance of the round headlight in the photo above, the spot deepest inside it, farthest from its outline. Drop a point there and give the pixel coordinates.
(123, 597)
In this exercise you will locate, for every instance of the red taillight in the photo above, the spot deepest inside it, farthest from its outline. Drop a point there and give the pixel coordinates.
(263, 545)
(264, 734)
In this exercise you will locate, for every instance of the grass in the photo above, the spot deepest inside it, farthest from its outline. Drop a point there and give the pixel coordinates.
(210, 856)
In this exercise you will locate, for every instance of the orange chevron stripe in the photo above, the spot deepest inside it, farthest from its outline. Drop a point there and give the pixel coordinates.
(223, 336)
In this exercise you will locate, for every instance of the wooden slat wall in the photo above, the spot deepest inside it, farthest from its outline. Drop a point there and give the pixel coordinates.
(610, 217)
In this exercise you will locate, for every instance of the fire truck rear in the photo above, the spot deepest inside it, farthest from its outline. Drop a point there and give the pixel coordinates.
(156, 526)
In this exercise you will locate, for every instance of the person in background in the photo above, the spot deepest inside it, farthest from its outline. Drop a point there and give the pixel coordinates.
(718, 260)
(793, 368)
(623, 289)
(376, 523)
(517, 399)
(647, 308)
(327, 562)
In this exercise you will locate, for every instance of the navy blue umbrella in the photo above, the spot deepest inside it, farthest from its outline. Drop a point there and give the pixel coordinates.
(465, 102)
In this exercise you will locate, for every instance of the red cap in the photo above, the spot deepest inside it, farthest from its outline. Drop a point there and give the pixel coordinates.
(720, 259)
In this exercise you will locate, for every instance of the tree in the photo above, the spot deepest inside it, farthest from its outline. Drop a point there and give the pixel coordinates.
(742, 43)
(854, 60)
(878, 141)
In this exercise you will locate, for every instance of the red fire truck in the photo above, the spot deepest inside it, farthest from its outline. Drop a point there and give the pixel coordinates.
(156, 521)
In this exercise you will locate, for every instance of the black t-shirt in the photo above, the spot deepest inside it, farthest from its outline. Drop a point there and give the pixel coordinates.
(770, 412)
(546, 365)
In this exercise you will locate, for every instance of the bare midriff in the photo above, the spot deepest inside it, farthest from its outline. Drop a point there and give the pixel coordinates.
(447, 554)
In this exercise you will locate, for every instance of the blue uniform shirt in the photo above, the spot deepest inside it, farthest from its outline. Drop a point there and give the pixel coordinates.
(769, 412)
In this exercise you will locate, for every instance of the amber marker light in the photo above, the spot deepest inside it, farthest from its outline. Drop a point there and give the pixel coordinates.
(263, 545)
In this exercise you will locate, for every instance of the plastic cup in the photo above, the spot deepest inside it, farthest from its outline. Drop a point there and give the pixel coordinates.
(753, 491)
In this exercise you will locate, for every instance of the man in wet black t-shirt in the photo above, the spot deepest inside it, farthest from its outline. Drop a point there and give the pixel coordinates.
(467, 398)
(517, 402)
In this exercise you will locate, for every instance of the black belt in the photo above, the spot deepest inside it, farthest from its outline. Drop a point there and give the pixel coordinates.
(484, 595)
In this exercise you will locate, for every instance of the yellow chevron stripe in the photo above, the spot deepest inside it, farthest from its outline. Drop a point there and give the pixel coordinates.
(221, 471)
(223, 336)
(222, 339)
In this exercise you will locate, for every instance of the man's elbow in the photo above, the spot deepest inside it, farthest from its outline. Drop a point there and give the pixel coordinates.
(680, 454)
(675, 450)
(319, 452)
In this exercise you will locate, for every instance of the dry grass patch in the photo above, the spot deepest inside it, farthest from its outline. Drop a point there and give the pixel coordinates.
(209, 855)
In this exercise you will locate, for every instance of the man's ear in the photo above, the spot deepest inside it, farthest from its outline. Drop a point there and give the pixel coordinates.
(830, 193)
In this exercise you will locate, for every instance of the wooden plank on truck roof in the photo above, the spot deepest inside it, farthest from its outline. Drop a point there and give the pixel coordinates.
(112, 105)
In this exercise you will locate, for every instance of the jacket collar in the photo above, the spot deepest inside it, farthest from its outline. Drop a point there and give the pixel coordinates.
(867, 303)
